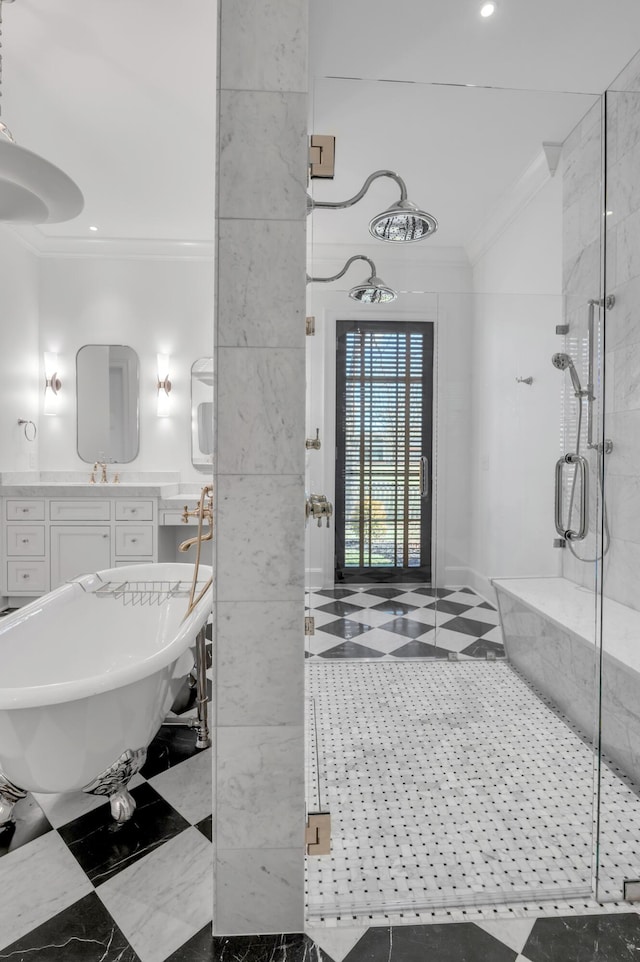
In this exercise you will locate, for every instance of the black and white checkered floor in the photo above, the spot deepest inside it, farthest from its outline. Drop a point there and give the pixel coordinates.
(78, 888)
(391, 623)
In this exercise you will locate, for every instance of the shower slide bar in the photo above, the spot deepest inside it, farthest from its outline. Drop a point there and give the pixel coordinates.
(581, 466)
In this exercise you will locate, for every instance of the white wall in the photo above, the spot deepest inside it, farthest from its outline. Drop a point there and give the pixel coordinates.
(418, 273)
(151, 304)
(515, 428)
(19, 357)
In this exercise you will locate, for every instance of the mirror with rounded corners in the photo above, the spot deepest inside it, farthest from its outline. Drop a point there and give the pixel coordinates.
(107, 403)
(202, 413)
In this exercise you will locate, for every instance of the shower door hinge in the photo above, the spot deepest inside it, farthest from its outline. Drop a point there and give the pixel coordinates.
(309, 625)
(322, 154)
(310, 326)
(317, 835)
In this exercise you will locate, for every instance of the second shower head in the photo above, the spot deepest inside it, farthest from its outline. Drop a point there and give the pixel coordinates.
(564, 363)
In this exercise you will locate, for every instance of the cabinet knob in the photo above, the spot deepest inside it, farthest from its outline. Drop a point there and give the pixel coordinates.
(25, 541)
(26, 576)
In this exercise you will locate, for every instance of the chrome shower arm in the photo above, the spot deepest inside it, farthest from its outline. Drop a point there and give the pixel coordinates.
(335, 277)
(335, 205)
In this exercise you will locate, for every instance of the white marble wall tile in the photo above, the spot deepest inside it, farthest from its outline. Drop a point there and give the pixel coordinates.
(583, 167)
(628, 249)
(626, 391)
(628, 120)
(37, 881)
(266, 436)
(621, 567)
(259, 891)
(260, 538)
(260, 663)
(265, 309)
(581, 272)
(280, 25)
(165, 898)
(260, 787)
(188, 786)
(624, 430)
(623, 503)
(623, 186)
(261, 169)
(622, 324)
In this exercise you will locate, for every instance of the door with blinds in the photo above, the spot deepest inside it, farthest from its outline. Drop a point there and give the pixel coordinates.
(384, 413)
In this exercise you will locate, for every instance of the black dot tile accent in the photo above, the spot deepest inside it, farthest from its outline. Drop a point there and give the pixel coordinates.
(344, 628)
(350, 650)
(84, 932)
(406, 627)
(340, 608)
(103, 848)
(29, 822)
(592, 938)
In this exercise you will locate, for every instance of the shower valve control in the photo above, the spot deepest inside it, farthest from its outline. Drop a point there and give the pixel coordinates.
(318, 507)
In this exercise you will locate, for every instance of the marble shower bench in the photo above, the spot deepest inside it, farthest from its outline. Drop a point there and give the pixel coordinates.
(549, 627)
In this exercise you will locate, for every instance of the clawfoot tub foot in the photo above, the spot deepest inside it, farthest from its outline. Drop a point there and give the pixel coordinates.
(9, 795)
(114, 780)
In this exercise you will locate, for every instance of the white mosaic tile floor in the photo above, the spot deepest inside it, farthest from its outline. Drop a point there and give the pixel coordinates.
(454, 784)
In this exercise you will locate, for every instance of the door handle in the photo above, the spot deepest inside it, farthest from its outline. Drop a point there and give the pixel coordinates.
(424, 477)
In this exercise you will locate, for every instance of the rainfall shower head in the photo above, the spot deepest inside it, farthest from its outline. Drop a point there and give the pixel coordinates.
(563, 362)
(373, 290)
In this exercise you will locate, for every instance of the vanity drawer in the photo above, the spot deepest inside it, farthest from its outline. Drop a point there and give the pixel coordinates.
(133, 540)
(86, 510)
(32, 510)
(27, 539)
(27, 576)
(134, 510)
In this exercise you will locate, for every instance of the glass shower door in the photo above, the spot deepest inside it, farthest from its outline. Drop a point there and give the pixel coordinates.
(618, 869)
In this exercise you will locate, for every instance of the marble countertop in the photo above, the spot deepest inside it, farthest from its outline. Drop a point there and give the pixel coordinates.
(170, 493)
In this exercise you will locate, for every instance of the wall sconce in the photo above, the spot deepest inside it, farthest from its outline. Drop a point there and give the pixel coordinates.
(164, 386)
(52, 383)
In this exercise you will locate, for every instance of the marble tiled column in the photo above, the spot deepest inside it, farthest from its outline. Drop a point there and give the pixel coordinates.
(259, 482)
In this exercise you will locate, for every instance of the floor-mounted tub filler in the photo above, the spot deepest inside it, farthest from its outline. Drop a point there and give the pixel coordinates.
(89, 672)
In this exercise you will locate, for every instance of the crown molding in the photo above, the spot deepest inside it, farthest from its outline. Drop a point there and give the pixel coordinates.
(44, 246)
(513, 201)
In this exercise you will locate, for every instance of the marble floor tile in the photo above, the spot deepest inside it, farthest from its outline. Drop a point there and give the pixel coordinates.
(43, 879)
(599, 938)
(171, 746)
(205, 825)
(513, 933)
(187, 787)
(104, 848)
(29, 822)
(418, 943)
(164, 899)
(83, 932)
(63, 808)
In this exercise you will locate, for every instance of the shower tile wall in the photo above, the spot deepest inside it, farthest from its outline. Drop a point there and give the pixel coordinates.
(581, 250)
(259, 770)
(622, 341)
(581, 243)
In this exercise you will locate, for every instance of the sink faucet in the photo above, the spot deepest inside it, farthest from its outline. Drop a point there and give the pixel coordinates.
(101, 464)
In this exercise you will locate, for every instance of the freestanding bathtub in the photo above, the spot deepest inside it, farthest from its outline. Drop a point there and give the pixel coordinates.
(87, 675)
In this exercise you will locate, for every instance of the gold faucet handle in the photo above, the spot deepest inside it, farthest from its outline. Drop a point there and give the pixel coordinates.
(185, 514)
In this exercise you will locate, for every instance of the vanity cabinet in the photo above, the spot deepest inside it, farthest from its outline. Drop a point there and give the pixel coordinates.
(47, 541)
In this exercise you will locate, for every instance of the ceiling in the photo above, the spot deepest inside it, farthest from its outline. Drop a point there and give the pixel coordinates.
(121, 96)
(533, 71)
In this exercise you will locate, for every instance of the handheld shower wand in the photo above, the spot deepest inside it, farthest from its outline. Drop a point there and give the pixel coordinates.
(563, 362)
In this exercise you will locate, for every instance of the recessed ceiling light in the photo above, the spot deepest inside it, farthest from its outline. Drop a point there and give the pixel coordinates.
(93, 228)
(488, 9)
